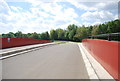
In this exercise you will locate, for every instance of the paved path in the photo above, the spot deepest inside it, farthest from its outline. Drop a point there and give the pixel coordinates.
(63, 61)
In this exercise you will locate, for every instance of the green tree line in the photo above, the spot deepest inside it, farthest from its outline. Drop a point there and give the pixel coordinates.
(71, 33)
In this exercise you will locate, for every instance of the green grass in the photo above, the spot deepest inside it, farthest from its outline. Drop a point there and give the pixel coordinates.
(59, 41)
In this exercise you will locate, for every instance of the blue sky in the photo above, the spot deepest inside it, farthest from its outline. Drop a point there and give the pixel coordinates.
(36, 16)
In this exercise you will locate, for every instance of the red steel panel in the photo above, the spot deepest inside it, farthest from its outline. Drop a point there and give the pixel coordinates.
(14, 42)
(105, 52)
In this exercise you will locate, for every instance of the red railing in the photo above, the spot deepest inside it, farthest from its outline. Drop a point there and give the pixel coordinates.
(14, 42)
(106, 53)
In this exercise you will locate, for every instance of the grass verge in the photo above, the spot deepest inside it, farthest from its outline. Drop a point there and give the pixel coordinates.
(59, 41)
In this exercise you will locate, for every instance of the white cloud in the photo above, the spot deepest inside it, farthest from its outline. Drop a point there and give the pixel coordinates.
(101, 11)
(43, 16)
(6, 27)
(17, 9)
(38, 13)
(4, 8)
(66, 15)
(61, 0)
(100, 16)
(91, 6)
(82, 5)
(89, 24)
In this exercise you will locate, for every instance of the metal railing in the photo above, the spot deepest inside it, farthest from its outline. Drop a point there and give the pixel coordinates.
(109, 36)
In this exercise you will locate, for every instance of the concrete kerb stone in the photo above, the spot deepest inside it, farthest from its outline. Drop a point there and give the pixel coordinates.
(90, 70)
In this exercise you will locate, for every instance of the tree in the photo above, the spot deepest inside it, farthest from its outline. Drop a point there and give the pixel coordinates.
(8, 35)
(19, 34)
(72, 31)
(66, 35)
(0, 35)
(71, 34)
(45, 36)
(25, 36)
(89, 30)
(104, 28)
(53, 34)
(96, 30)
(81, 33)
(110, 27)
(60, 33)
(35, 35)
(29, 35)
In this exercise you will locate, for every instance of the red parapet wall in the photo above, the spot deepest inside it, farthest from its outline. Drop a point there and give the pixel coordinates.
(106, 53)
(14, 42)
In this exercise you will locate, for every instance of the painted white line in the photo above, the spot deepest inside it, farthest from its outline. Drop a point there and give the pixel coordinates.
(100, 72)
(90, 70)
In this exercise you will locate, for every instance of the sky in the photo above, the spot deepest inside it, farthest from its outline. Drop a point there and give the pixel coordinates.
(30, 16)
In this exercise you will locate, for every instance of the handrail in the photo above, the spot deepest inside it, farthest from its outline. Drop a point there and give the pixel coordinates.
(110, 35)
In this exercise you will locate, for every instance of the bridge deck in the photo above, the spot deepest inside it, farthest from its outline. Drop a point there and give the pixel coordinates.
(63, 61)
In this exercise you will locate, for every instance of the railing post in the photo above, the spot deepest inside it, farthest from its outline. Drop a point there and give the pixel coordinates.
(109, 37)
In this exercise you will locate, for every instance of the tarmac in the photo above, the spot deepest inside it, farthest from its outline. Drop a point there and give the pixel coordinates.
(51, 61)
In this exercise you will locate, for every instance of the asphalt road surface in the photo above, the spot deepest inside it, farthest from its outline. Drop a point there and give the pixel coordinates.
(63, 61)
